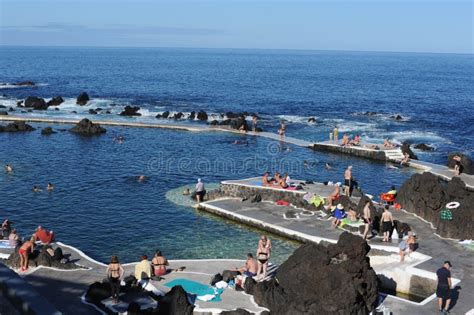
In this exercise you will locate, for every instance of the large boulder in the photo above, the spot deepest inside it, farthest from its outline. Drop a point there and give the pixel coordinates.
(36, 103)
(16, 126)
(130, 111)
(55, 101)
(406, 149)
(318, 279)
(87, 128)
(82, 99)
(423, 147)
(3, 113)
(47, 131)
(40, 257)
(239, 124)
(467, 166)
(175, 302)
(425, 195)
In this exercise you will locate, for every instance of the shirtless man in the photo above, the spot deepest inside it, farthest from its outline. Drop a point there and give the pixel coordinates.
(348, 181)
(386, 222)
(9, 168)
(250, 267)
(265, 180)
(367, 218)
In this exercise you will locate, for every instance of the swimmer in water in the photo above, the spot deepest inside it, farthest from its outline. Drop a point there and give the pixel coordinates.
(141, 178)
(49, 187)
(36, 189)
(186, 192)
(328, 166)
(8, 168)
(119, 139)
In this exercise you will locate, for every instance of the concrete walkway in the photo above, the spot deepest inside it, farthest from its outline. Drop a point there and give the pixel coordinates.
(430, 256)
(64, 288)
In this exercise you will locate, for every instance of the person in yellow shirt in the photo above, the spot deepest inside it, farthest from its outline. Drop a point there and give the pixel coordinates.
(143, 269)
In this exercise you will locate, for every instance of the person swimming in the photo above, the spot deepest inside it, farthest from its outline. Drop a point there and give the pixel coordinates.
(141, 178)
(49, 187)
(36, 189)
(8, 168)
(328, 166)
(186, 192)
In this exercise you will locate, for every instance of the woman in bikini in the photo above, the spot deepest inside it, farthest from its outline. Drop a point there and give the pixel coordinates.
(24, 252)
(263, 255)
(387, 223)
(159, 263)
(114, 274)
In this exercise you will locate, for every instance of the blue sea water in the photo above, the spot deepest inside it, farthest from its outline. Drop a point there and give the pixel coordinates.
(99, 206)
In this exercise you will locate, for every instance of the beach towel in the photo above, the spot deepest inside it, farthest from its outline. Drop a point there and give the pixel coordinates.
(202, 291)
(346, 221)
(317, 200)
(282, 203)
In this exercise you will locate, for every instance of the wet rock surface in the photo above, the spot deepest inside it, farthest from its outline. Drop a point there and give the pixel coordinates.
(318, 279)
(82, 99)
(55, 101)
(130, 111)
(17, 126)
(87, 128)
(423, 147)
(407, 149)
(467, 166)
(34, 102)
(425, 195)
(41, 257)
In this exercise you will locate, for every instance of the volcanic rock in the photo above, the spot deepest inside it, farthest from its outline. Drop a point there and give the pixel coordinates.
(398, 117)
(214, 123)
(425, 195)
(92, 112)
(55, 101)
(192, 116)
(3, 113)
(36, 103)
(311, 120)
(16, 126)
(406, 149)
(239, 124)
(24, 83)
(178, 115)
(40, 257)
(86, 128)
(11, 109)
(202, 116)
(165, 114)
(467, 166)
(423, 147)
(47, 131)
(3, 106)
(130, 111)
(82, 99)
(175, 302)
(318, 279)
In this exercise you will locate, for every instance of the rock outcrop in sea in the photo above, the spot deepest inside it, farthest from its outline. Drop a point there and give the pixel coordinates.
(467, 166)
(55, 101)
(426, 196)
(319, 279)
(406, 149)
(47, 131)
(87, 128)
(41, 257)
(423, 147)
(82, 99)
(17, 126)
(34, 102)
(130, 111)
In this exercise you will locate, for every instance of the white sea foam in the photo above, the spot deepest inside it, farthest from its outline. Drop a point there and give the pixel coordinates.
(296, 118)
(6, 85)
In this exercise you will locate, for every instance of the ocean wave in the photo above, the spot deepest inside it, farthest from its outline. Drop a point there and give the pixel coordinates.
(6, 85)
(297, 119)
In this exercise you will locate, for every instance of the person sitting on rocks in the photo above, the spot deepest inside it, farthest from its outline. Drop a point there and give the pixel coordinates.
(263, 255)
(265, 180)
(25, 250)
(333, 196)
(282, 183)
(356, 140)
(406, 159)
(43, 235)
(6, 228)
(159, 263)
(14, 239)
(352, 215)
(143, 269)
(250, 268)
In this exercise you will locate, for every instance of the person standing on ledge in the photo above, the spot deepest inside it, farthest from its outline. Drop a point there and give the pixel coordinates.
(282, 129)
(348, 181)
(443, 290)
(200, 191)
(254, 123)
(335, 134)
(114, 274)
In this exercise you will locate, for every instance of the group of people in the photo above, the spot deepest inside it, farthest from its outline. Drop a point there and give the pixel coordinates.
(49, 186)
(278, 180)
(144, 271)
(258, 267)
(25, 248)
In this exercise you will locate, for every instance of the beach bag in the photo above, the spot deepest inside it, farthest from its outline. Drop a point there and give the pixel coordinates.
(216, 278)
(257, 198)
(446, 214)
(228, 275)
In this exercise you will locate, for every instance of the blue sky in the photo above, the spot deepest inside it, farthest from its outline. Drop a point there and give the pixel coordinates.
(402, 26)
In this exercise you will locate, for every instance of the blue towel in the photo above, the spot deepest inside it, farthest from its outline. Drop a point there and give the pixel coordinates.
(196, 288)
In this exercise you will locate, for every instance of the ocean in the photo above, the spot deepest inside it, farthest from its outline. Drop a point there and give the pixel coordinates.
(99, 206)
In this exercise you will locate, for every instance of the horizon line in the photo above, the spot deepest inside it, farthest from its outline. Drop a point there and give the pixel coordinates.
(241, 48)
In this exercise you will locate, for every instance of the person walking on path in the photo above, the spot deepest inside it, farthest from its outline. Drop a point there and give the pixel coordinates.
(335, 134)
(443, 290)
(114, 274)
(348, 181)
(200, 191)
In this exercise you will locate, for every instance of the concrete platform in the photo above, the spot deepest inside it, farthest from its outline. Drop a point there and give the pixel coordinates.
(63, 289)
(424, 262)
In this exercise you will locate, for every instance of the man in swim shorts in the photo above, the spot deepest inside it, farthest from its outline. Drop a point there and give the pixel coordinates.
(200, 191)
(348, 181)
(250, 268)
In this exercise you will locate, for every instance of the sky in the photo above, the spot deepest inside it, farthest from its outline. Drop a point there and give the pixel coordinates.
(398, 26)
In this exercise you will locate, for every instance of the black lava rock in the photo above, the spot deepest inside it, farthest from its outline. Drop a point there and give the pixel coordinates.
(82, 99)
(55, 101)
(86, 128)
(130, 111)
(36, 103)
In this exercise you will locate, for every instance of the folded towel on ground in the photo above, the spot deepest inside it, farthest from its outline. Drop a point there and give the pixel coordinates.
(196, 288)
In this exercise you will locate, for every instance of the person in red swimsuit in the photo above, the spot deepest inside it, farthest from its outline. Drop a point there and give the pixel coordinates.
(24, 252)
